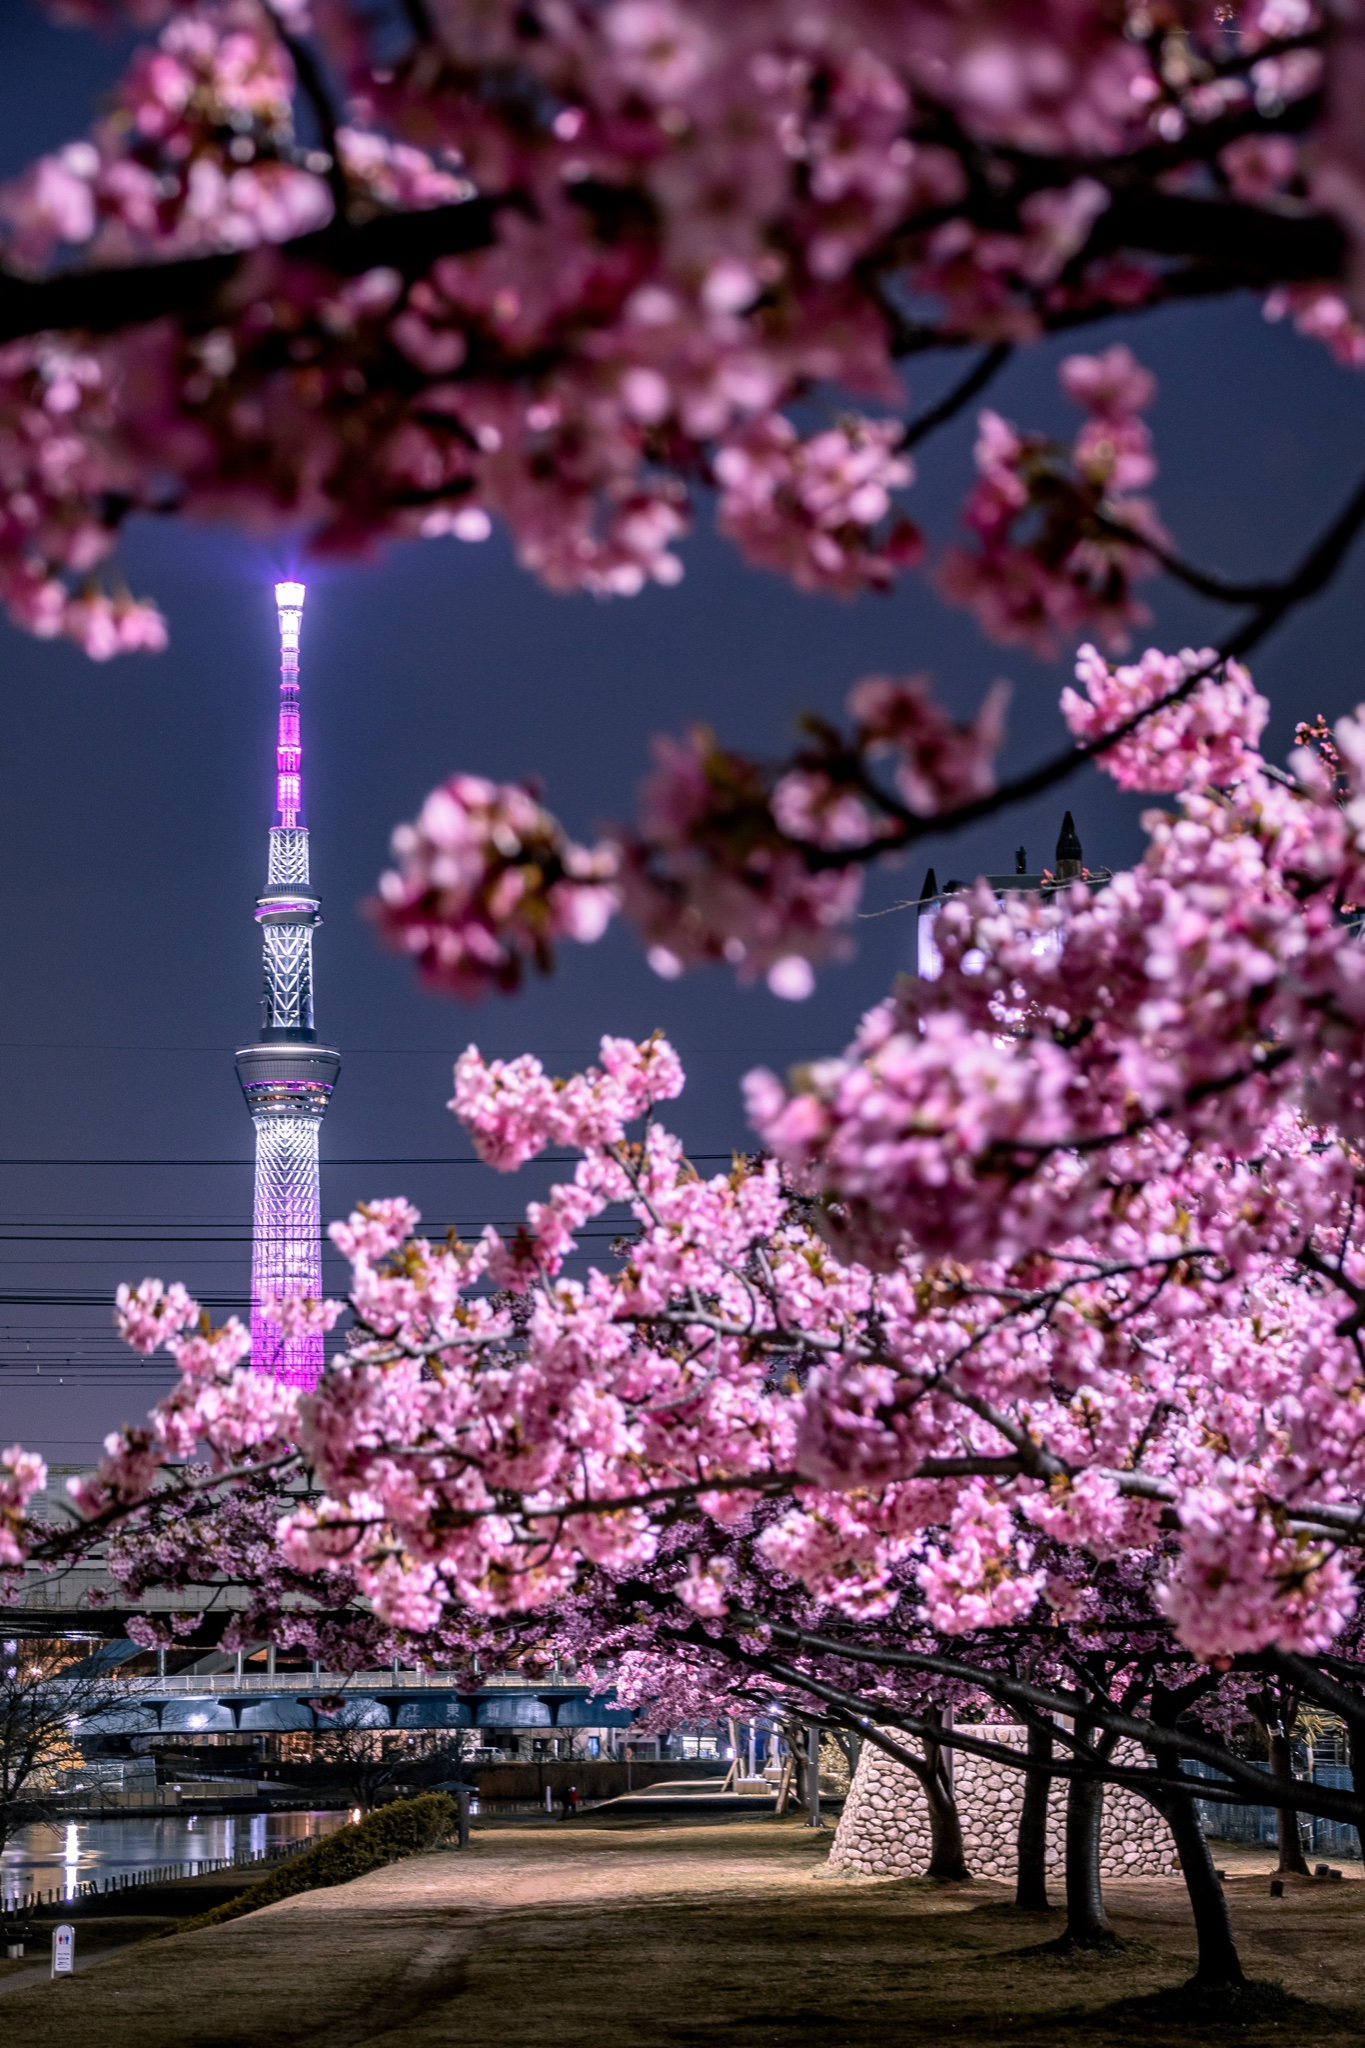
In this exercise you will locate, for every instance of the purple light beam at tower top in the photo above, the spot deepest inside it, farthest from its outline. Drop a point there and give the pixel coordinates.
(289, 747)
(287, 1077)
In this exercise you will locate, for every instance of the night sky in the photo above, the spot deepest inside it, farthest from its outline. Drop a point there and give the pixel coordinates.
(135, 800)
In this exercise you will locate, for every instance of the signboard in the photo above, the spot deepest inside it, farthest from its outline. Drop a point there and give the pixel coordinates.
(63, 1951)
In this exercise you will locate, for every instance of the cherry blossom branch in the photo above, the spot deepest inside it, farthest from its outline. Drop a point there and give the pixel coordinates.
(1168, 1112)
(1313, 574)
(983, 372)
(1240, 246)
(1029, 1458)
(309, 74)
(1245, 1779)
(1230, 245)
(78, 1531)
(1226, 590)
(105, 301)
(1316, 1680)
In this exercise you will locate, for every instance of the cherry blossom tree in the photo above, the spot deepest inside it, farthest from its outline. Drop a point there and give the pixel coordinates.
(1057, 1271)
(1067, 1243)
(371, 272)
(1184, 1371)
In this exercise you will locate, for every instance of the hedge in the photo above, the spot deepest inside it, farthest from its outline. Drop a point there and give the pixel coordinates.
(402, 1829)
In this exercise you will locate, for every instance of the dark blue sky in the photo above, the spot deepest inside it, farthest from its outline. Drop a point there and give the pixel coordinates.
(134, 803)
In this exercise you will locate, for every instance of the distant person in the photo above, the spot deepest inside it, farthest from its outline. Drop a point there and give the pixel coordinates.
(571, 1801)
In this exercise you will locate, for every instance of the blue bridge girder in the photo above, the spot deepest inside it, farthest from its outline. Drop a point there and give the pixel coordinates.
(314, 1707)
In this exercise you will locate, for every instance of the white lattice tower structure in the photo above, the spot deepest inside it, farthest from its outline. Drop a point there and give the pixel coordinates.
(287, 1077)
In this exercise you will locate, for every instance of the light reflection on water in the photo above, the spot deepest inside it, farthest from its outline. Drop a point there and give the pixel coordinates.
(62, 1856)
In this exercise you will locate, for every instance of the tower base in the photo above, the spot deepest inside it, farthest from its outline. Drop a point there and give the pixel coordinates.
(287, 1088)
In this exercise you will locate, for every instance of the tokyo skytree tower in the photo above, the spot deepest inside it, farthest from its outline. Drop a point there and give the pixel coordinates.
(287, 1077)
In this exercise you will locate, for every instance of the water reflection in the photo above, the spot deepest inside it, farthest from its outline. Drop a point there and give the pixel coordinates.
(61, 1857)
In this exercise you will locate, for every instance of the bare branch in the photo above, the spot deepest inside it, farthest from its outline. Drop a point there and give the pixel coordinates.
(315, 90)
(104, 301)
(977, 378)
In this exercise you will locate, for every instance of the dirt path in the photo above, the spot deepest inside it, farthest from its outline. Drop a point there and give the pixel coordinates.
(687, 1937)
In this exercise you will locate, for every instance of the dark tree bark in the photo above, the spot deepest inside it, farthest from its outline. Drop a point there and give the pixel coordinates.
(1087, 1923)
(1219, 1966)
(947, 1858)
(1355, 1749)
(1292, 1858)
(795, 1732)
(1030, 1889)
(1276, 1711)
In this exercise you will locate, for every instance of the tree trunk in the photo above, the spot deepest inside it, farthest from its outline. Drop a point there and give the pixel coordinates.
(1087, 1923)
(1355, 1750)
(1219, 1966)
(1030, 1889)
(1282, 1766)
(801, 1772)
(947, 1858)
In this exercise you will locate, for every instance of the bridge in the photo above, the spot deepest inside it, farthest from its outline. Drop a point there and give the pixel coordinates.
(274, 1703)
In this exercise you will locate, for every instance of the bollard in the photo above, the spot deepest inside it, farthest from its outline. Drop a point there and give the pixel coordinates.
(462, 1801)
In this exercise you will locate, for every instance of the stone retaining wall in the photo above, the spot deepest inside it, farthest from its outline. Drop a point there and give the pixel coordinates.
(884, 1831)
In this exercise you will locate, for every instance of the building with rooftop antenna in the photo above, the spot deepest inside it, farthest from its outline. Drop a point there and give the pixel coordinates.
(287, 1077)
(1069, 867)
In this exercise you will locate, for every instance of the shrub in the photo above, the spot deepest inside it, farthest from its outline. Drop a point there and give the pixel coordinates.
(402, 1829)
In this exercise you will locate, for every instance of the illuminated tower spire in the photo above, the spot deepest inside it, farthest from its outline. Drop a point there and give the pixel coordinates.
(287, 1077)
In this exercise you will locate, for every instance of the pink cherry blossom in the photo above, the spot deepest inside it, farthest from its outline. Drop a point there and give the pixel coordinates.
(485, 881)
(22, 1474)
(1059, 535)
(937, 764)
(297, 1314)
(149, 1315)
(681, 249)
(1209, 736)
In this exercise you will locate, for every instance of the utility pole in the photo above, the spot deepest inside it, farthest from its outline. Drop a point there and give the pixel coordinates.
(813, 1819)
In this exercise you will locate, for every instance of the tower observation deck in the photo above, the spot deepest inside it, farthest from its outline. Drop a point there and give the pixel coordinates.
(287, 1077)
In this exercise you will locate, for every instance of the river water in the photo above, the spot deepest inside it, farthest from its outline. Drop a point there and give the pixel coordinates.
(62, 1856)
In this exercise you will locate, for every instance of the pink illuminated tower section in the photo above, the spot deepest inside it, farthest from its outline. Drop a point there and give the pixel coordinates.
(287, 1077)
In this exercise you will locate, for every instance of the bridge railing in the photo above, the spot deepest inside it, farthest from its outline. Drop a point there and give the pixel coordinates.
(16, 1901)
(204, 1684)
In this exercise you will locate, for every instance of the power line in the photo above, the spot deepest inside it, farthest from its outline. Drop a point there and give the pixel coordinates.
(470, 1161)
(444, 1052)
(37, 1236)
(544, 1159)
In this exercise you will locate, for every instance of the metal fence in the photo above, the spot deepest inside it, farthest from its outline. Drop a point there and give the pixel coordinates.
(1320, 1764)
(160, 1873)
